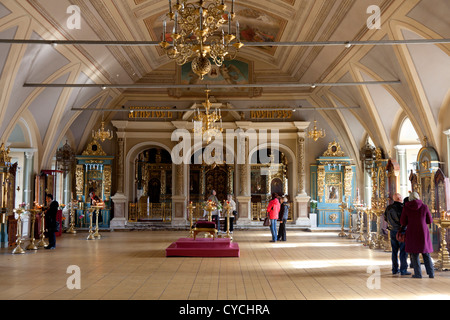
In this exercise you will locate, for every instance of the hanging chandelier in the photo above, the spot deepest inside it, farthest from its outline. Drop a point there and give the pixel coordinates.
(101, 133)
(199, 35)
(205, 123)
(316, 134)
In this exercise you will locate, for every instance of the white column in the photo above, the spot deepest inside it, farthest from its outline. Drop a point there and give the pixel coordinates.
(401, 159)
(447, 133)
(27, 177)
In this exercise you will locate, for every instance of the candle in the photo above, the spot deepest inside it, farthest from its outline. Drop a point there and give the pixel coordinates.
(164, 30)
(229, 23)
(232, 6)
(238, 37)
(201, 18)
(170, 6)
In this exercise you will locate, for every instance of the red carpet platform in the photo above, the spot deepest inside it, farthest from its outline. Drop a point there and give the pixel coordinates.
(203, 247)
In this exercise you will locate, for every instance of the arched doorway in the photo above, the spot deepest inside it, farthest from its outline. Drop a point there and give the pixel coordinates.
(153, 186)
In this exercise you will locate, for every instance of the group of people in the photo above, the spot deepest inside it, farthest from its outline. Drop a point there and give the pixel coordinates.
(278, 209)
(410, 218)
(217, 213)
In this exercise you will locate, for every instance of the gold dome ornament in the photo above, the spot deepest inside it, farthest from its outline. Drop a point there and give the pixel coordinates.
(201, 66)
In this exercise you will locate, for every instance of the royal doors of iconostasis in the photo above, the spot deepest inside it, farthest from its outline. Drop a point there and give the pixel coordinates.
(333, 180)
(93, 174)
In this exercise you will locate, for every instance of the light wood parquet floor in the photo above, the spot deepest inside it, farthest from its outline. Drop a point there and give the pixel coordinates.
(132, 265)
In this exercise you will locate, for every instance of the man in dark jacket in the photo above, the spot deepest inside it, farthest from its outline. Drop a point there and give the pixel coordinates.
(50, 220)
(392, 217)
(284, 214)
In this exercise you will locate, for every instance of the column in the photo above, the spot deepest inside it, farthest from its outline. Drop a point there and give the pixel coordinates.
(119, 199)
(447, 133)
(302, 199)
(28, 177)
(244, 206)
(401, 159)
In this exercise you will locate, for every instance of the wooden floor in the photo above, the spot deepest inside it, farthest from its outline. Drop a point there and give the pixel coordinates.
(132, 265)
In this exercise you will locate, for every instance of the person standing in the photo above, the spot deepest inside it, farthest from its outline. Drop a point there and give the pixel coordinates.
(284, 214)
(415, 218)
(273, 210)
(232, 204)
(215, 215)
(392, 217)
(50, 220)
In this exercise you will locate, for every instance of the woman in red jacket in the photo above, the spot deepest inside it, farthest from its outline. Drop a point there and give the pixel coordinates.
(273, 209)
(415, 218)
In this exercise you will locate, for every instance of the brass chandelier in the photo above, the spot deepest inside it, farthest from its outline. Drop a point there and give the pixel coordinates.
(205, 123)
(315, 134)
(198, 34)
(101, 133)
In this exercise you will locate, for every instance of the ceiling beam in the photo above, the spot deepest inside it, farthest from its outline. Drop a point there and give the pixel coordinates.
(209, 86)
(299, 108)
(246, 44)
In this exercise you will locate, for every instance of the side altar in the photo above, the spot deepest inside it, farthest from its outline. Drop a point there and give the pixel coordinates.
(93, 173)
(333, 180)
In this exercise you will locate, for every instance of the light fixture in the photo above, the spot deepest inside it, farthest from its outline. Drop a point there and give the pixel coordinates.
(198, 34)
(102, 134)
(316, 134)
(65, 158)
(205, 123)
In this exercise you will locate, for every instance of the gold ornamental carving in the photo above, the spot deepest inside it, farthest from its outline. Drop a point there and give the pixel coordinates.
(94, 149)
(320, 180)
(334, 150)
(348, 177)
(107, 181)
(79, 176)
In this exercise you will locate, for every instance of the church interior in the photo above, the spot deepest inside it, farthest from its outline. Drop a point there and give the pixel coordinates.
(185, 117)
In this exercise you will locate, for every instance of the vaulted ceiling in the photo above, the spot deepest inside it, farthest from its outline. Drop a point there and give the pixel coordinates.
(50, 115)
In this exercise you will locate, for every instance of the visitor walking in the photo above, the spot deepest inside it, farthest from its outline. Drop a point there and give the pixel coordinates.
(415, 217)
(392, 217)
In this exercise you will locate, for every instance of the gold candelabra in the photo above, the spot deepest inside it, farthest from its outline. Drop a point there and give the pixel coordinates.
(32, 245)
(196, 34)
(443, 262)
(378, 208)
(369, 240)
(191, 213)
(343, 206)
(315, 134)
(102, 134)
(42, 242)
(18, 249)
(72, 217)
(207, 120)
(210, 207)
(91, 233)
(228, 208)
(97, 212)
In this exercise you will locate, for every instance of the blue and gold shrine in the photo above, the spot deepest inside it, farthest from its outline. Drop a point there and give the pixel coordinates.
(333, 180)
(93, 173)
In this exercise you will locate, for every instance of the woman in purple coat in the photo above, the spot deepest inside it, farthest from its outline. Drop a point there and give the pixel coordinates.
(415, 218)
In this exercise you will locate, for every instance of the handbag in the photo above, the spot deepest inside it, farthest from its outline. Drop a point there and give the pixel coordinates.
(266, 222)
(400, 236)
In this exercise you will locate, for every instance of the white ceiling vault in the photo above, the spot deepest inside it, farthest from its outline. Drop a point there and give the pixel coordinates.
(48, 112)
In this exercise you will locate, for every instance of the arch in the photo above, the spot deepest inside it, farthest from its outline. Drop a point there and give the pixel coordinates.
(129, 163)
